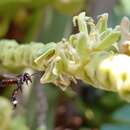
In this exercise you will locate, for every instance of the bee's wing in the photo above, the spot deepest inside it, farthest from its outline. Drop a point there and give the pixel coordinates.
(7, 76)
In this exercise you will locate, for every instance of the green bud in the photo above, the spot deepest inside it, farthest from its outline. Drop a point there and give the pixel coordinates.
(102, 22)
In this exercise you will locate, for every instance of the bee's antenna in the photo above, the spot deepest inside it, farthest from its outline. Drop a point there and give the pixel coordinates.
(39, 73)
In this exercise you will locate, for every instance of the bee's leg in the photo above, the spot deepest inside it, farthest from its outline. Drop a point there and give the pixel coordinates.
(27, 79)
(19, 85)
(14, 98)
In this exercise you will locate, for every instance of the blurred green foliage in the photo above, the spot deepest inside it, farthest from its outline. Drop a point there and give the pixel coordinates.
(49, 20)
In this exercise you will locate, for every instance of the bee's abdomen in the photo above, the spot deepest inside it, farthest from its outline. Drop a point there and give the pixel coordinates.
(7, 82)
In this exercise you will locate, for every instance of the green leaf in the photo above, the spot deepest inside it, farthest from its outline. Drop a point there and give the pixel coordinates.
(115, 127)
(123, 113)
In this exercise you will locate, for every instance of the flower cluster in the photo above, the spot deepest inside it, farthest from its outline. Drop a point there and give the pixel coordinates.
(92, 55)
(98, 55)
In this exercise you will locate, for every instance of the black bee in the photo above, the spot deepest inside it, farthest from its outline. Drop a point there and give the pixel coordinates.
(18, 80)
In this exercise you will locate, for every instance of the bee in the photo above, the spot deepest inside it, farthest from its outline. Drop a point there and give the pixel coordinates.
(18, 81)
